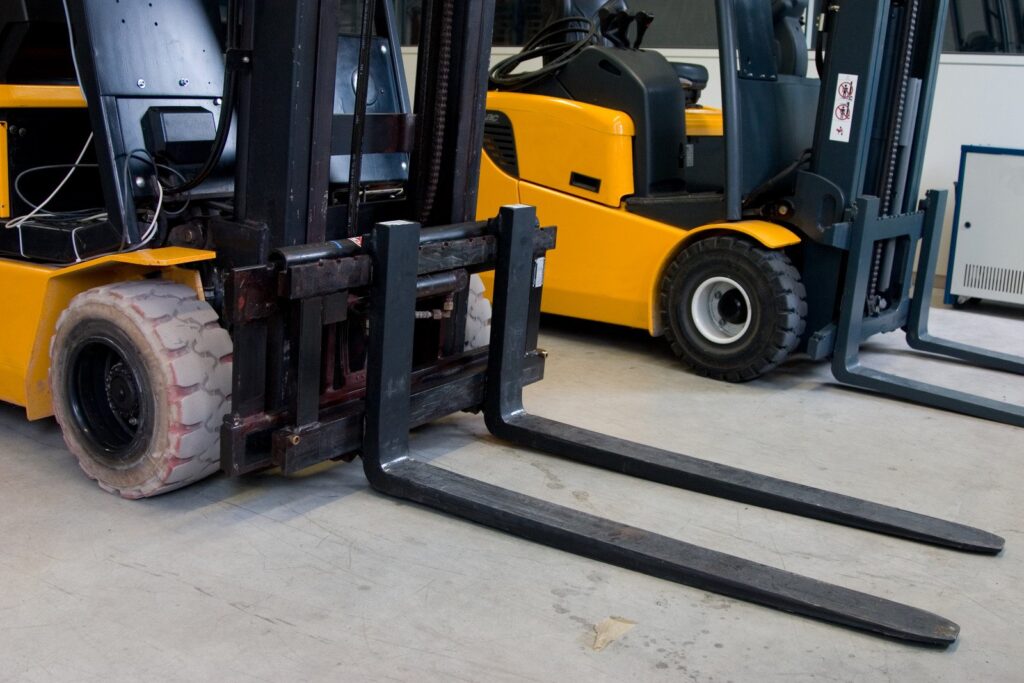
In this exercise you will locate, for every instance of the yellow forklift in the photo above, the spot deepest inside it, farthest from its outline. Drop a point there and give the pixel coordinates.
(231, 243)
(785, 222)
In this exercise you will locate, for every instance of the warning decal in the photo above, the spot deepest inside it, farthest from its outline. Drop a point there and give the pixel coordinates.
(842, 115)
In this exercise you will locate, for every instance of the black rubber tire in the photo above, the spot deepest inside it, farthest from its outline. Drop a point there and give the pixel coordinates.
(148, 421)
(777, 308)
(478, 316)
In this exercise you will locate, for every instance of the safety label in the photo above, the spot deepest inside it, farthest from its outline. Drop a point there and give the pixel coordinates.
(842, 115)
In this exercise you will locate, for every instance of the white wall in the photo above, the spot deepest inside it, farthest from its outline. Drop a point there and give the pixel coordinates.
(979, 101)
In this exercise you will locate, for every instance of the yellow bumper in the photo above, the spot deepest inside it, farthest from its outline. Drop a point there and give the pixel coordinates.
(32, 297)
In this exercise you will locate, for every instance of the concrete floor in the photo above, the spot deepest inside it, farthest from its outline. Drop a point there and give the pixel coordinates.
(318, 578)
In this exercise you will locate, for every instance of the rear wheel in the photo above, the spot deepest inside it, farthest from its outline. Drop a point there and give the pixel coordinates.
(141, 380)
(732, 311)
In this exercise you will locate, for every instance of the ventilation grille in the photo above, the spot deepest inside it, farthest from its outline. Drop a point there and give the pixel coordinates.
(992, 279)
(500, 142)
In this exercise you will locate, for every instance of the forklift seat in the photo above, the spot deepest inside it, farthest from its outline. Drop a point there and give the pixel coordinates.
(694, 79)
(150, 71)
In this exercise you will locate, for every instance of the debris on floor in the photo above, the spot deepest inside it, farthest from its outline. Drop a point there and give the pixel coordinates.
(610, 630)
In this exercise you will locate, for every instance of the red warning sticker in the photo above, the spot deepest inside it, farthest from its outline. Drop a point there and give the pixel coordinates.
(842, 114)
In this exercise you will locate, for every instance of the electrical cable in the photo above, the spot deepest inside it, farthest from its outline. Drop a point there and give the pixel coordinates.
(150, 232)
(50, 167)
(188, 196)
(168, 189)
(16, 222)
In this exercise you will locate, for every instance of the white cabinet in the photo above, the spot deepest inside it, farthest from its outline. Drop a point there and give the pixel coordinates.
(987, 254)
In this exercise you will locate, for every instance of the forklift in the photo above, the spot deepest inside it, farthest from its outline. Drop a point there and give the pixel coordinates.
(785, 222)
(231, 243)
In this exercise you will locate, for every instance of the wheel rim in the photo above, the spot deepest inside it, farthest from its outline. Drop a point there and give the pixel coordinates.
(107, 400)
(721, 310)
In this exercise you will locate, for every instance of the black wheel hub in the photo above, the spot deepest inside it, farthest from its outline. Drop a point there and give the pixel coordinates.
(123, 394)
(107, 390)
(733, 308)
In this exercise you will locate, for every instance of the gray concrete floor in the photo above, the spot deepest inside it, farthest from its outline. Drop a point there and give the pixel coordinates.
(318, 578)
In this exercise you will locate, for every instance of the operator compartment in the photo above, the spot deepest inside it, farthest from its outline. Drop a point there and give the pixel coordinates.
(593, 158)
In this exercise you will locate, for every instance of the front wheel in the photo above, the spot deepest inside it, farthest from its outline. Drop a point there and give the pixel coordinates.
(141, 380)
(732, 311)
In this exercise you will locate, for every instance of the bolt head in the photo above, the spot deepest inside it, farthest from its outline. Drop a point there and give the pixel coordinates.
(141, 83)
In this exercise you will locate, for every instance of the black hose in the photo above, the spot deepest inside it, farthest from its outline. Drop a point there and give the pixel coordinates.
(543, 46)
(819, 54)
(227, 109)
(765, 188)
(355, 176)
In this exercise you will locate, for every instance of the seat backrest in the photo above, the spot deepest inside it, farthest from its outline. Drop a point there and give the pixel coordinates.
(588, 9)
(577, 8)
(790, 39)
(136, 58)
(775, 111)
(159, 65)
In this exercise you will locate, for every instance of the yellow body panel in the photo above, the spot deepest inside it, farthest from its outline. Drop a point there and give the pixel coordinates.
(608, 263)
(32, 297)
(556, 138)
(41, 97)
(499, 190)
(5, 176)
(704, 122)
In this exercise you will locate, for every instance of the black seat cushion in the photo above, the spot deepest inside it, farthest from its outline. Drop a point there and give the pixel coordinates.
(694, 73)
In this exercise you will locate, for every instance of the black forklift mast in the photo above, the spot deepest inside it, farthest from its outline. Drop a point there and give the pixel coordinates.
(858, 201)
(332, 357)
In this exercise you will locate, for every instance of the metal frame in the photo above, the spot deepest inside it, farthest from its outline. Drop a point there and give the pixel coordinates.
(857, 205)
(280, 306)
(854, 327)
(392, 470)
(393, 267)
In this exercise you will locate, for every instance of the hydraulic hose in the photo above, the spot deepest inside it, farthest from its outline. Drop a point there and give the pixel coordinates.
(233, 64)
